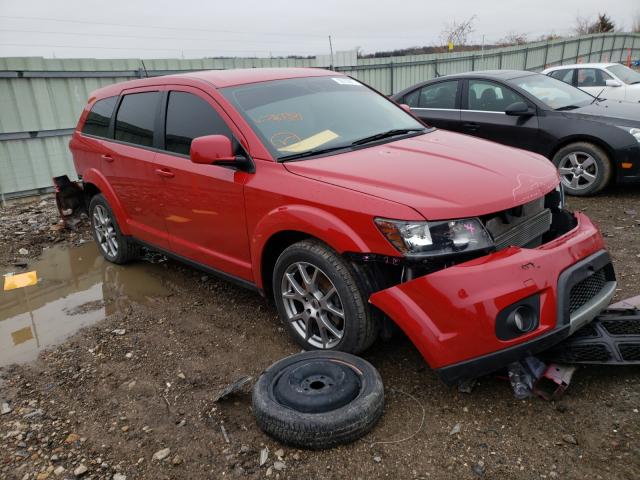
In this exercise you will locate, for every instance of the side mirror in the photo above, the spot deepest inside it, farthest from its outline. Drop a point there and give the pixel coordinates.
(405, 107)
(518, 109)
(612, 83)
(211, 149)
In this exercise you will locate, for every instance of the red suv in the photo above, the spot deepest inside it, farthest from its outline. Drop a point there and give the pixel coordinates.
(315, 190)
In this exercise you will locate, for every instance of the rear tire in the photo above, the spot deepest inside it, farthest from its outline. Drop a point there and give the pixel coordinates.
(328, 311)
(584, 168)
(113, 245)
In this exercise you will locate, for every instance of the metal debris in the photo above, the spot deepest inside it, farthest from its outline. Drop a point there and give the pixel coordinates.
(232, 388)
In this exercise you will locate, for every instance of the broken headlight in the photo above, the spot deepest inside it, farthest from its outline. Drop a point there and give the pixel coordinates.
(445, 237)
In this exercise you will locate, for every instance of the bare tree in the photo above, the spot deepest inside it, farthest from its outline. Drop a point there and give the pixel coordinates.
(582, 25)
(458, 33)
(513, 38)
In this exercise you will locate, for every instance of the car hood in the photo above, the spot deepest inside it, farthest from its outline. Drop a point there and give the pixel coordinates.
(612, 112)
(440, 174)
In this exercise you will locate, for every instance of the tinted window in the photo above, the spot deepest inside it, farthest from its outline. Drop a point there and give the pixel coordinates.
(439, 95)
(136, 117)
(411, 99)
(592, 77)
(565, 76)
(491, 97)
(97, 122)
(189, 117)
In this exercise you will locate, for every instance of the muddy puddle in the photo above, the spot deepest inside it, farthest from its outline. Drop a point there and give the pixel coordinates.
(76, 287)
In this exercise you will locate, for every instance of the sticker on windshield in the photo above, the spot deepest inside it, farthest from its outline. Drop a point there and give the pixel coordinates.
(346, 81)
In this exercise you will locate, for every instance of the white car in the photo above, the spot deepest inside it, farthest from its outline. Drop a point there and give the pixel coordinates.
(605, 80)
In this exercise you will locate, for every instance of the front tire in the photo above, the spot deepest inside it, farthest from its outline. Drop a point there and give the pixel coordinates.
(321, 301)
(113, 245)
(584, 168)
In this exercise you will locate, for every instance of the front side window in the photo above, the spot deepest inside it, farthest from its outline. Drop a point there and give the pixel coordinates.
(491, 97)
(625, 74)
(306, 116)
(553, 93)
(97, 122)
(136, 118)
(592, 77)
(439, 95)
(189, 117)
(565, 76)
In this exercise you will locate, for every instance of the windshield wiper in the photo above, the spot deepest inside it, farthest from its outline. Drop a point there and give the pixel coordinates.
(568, 107)
(387, 134)
(310, 153)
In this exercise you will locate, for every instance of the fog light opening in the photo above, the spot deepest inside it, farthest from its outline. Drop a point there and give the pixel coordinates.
(523, 319)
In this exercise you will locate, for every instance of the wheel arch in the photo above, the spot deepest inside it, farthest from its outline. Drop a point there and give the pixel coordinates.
(285, 226)
(586, 139)
(95, 183)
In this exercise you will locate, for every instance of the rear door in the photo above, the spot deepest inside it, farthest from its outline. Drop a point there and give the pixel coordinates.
(129, 166)
(564, 75)
(437, 104)
(203, 204)
(483, 115)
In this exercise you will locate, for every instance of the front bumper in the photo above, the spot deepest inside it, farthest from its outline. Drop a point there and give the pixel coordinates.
(450, 315)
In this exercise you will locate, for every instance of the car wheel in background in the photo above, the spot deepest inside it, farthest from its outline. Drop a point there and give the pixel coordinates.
(320, 301)
(318, 399)
(584, 168)
(113, 246)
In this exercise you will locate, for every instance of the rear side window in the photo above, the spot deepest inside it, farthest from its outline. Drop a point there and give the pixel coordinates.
(136, 117)
(97, 122)
(189, 117)
(565, 76)
(439, 95)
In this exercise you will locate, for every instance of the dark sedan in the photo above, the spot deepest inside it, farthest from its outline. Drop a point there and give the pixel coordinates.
(590, 140)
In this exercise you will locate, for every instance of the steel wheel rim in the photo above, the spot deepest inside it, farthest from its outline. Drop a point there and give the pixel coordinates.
(578, 170)
(313, 305)
(105, 231)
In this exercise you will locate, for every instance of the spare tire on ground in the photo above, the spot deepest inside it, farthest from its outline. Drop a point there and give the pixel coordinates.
(318, 399)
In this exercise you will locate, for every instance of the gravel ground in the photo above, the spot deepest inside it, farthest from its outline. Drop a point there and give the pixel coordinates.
(139, 403)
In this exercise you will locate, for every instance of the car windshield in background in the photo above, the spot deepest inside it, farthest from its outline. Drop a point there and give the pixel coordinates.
(305, 116)
(553, 93)
(625, 74)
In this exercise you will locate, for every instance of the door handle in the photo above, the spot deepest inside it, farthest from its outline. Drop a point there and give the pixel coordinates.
(472, 125)
(165, 172)
(106, 157)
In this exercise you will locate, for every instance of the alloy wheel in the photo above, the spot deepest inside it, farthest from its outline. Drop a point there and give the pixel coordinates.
(578, 170)
(313, 305)
(105, 231)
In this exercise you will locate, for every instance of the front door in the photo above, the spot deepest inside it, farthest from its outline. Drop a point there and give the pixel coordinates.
(484, 115)
(203, 204)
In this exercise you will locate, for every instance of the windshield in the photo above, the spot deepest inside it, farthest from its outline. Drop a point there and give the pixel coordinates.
(625, 74)
(553, 93)
(301, 116)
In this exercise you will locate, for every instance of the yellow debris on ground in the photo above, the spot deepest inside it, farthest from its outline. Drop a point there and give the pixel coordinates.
(20, 280)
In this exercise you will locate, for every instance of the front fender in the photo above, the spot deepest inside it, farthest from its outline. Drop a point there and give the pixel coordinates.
(306, 219)
(96, 178)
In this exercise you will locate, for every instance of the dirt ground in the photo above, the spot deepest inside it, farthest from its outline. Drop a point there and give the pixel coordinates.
(103, 403)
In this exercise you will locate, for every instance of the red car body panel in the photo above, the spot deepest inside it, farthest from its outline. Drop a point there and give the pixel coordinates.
(450, 314)
(224, 219)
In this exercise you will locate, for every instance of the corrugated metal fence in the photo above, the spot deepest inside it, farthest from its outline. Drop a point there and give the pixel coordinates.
(40, 99)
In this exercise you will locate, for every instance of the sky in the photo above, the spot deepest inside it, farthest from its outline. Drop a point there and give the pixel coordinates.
(264, 28)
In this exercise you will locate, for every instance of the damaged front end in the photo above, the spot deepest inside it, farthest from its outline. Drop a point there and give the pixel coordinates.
(547, 276)
(70, 199)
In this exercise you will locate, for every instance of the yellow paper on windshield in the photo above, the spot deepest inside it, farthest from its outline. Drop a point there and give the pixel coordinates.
(11, 282)
(311, 142)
